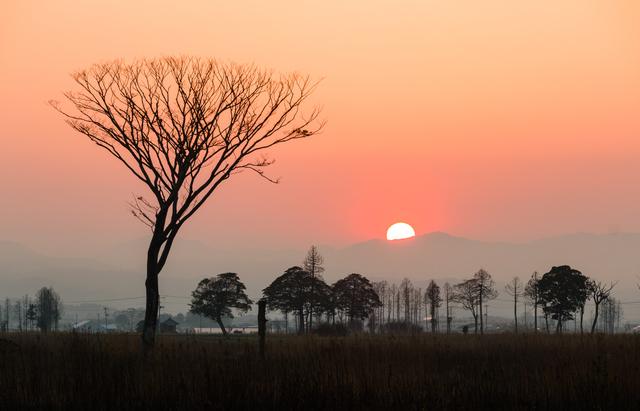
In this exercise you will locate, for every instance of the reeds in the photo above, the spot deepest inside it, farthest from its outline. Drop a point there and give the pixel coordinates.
(99, 372)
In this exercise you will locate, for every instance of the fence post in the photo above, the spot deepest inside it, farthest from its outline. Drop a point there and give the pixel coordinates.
(262, 325)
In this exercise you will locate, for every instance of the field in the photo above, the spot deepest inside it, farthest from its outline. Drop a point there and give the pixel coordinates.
(99, 372)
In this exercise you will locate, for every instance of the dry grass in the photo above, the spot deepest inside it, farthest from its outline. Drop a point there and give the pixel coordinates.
(95, 372)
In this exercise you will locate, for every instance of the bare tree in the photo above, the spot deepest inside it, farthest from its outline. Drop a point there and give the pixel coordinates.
(17, 312)
(485, 288)
(183, 126)
(432, 296)
(514, 289)
(313, 265)
(611, 315)
(393, 297)
(405, 291)
(466, 294)
(448, 299)
(599, 292)
(376, 320)
(532, 292)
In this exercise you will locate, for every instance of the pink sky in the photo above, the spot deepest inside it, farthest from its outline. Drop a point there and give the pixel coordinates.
(493, 119)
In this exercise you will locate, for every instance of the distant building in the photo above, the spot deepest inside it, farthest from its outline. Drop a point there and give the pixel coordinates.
(168, 326)
(82, 326)
(93, 326)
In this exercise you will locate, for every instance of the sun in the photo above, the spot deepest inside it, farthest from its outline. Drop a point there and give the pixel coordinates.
(400, 231)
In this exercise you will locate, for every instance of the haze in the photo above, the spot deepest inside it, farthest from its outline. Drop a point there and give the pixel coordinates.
(491, 120)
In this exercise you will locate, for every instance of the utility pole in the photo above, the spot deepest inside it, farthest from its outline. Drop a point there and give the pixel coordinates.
(160, 307)
(262, 324)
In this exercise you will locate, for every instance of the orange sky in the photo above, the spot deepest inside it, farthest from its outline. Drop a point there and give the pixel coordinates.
(489, 119)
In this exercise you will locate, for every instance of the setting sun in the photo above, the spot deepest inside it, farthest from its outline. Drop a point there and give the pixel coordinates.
(400, 231)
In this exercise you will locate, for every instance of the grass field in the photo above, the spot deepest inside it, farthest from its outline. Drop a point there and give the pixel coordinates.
(99, 372)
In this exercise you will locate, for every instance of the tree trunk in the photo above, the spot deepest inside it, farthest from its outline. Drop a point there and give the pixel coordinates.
(433, 319)
(154, 266)
(535, 316)
(221, 325)
(595, 319)
(301, 321)
(152, 306)
(262, 326)
(448, 314)
(515, 311)
(546, 322)
(475, 320)
(426, 315)
(481, 319)
(581, 319)
(558, 326)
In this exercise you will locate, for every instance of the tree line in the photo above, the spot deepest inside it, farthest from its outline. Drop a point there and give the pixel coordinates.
(42, 312)
(559, 295)
(303, 297)
(300, 293)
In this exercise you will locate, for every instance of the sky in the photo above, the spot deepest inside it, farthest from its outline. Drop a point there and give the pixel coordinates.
(494, 120)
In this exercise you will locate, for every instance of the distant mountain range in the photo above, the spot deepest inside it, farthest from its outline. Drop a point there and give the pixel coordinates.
(119, 272)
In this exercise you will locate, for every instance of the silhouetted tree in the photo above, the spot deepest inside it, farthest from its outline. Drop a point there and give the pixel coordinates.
(611, 315)
(562, 291)
(48, 308)
(355, 296)
(432, 297)
(216, 298)
(514, 289)
(377, 318)
(322, 299)
(313, 265)
(32, 315)
(532, 292)
(405, 292)
(292, 291)
(183, 126)
(17, 312)
(485, 287)
(466, 294)
(599, 292)
(25, 307)
(448, 299)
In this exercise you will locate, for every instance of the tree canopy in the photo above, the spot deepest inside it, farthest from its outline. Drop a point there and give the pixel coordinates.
(355, 296)
(48, 309)
(216, 298)
(562, 291)
(294, 291)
